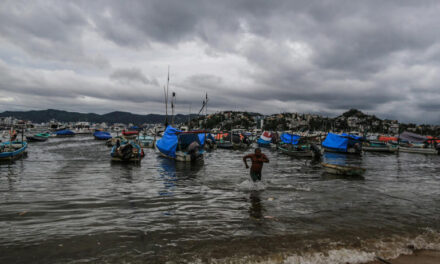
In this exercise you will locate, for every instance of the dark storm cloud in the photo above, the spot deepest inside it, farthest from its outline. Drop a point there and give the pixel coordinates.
(318, 56)
(132, 75)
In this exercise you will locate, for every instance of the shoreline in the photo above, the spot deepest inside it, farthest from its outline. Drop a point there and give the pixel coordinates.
(422, 256)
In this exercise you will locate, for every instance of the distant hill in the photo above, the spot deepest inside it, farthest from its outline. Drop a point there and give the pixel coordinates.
(39, 116)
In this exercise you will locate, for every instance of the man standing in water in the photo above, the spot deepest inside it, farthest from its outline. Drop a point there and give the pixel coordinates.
(257, 163)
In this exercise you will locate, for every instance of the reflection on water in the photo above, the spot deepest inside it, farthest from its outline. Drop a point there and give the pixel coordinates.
(67, 192)
(256, 208)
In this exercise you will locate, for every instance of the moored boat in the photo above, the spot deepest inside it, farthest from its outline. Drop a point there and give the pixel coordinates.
(64, 133)
(429, 151)
(127, 152)
(379, 146)
(102, 135)
(12, 150)
(180, 146)
(344, 143)
(294, 145)
(146, 141)
(343, 170)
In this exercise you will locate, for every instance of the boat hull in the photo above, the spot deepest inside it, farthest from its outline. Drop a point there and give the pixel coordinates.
(343, 170)
(387, 149)
(18, 152)
(428, 151)
(297, 153)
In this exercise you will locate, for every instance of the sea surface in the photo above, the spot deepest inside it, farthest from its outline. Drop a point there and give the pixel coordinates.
(67, 203)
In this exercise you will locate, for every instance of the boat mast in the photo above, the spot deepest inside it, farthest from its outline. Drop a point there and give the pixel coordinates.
(173, 101)
(166, 89)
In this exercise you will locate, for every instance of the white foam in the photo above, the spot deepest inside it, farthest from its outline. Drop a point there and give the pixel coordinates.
(249, 185)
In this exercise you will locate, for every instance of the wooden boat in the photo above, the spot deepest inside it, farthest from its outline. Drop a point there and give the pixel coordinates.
(111, 142)
(146, 141)
(35, 138)
(429, 151)
(181, 146)
(130, 134)
(127, 152)
(378, 146)
(102, 135)
(225, 145)
(12, 150)
(301, 151)
(240, 146)
(64, 133)
(343, 170)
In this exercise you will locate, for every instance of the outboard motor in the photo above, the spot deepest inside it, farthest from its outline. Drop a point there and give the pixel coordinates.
(126, 151)
(316, 150)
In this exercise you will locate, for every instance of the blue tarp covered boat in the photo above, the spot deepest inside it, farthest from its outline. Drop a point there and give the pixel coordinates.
(290, 139)
(64, 133)
(342, 143)
(102, 135)
(181, 146)
(12, 150)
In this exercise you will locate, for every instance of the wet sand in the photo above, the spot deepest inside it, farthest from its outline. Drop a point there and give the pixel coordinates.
(419, 257)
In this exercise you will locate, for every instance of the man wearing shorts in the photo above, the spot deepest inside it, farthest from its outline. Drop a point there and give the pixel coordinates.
(257, 164)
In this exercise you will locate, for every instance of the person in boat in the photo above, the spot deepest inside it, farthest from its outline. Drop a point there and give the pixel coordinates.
(193, 150)
(118, 144)
(257, 159)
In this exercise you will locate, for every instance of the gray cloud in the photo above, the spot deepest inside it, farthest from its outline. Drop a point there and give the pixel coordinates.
(325, 57)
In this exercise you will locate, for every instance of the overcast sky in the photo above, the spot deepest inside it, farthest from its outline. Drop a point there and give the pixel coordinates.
(382, 57)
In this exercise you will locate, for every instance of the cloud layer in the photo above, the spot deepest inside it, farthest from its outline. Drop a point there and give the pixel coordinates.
(264, 56)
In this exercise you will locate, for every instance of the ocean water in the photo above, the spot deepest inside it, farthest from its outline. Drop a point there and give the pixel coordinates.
(67, 203)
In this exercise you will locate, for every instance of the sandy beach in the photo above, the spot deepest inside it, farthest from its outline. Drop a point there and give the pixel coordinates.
(419, 257)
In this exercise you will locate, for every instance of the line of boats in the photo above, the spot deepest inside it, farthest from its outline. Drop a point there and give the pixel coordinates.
(190, 146)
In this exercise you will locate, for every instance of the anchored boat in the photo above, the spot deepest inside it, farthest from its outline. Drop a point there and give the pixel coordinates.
(12, 150)
(180, 146)
(102, 135)
(127, 152)
(343, 170)
(344, 143)
(379, 146)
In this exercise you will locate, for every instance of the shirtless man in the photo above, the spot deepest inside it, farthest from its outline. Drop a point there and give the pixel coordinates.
(257, 163)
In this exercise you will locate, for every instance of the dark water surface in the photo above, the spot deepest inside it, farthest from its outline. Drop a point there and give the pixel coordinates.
(67, 203)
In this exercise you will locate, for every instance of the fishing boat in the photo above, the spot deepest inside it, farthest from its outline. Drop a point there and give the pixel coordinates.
(343, 170)
(296, 146)
(265, 140)
(146, 141)
(348, 144)
(111, 142)
(420, 150)
(208, 141)
(127, 152)
(102, 135)
(38, 137)
(221, 141)
(12, 150)
(415, 143)
(180, 146)
(379, 146)
(131, 133)
(64, 133)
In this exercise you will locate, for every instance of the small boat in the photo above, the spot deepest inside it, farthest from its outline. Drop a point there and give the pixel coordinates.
(127, 152)
(130, 134)
(343, 143)
(146, 141)
(102, 135)
(429, 151)
(343, 170)
(64, 133)
(225, 145)
(379, 146)
(297, 151)
(265, 140)
(180, 146)
(112, 141)
(35, 138)
(12, 150)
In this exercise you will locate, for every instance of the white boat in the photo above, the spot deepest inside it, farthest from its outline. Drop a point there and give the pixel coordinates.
(430, 151)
